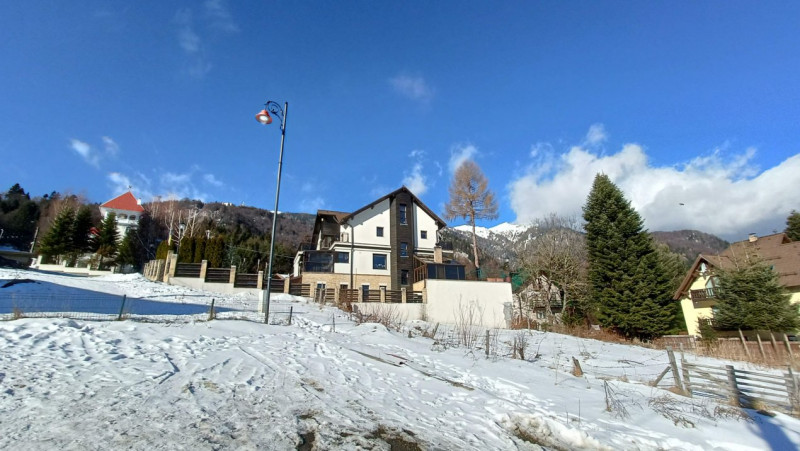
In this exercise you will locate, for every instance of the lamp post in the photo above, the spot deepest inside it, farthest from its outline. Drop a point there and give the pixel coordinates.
(264, 117)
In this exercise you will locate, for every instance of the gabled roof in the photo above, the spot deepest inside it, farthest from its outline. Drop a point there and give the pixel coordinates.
(416, 200)
(125, 202)
(777, 250)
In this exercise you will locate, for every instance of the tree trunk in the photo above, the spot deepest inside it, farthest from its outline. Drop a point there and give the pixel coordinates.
(474, 243)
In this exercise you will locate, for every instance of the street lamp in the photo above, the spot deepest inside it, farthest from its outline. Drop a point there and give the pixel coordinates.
(264, 117)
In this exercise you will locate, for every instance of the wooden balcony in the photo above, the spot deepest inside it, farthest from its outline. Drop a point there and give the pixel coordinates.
(703, 294)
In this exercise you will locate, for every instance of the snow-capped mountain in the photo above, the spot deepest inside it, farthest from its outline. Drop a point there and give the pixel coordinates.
(505, 229)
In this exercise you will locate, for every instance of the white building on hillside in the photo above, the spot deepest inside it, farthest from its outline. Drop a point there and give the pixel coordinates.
(127, 208)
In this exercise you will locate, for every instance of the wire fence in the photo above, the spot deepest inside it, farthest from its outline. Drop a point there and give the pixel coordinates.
(109, 307)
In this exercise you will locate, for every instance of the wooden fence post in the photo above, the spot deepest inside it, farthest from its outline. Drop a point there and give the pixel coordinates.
(744, 345)
(290, 315)
(794, 393)
(211, 311)
(732, 385)
(760, 345)
(487, 343)
(675, 374)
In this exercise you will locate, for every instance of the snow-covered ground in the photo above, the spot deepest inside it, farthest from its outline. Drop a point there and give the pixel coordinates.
(324, 382)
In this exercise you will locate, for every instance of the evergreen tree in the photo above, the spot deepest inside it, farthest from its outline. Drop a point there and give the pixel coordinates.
(628, 285)
(162, 251)
(106, 242)
(18, 217)
(128, 249)
(751, 297)
(215, 252)
(793, 226)
(199, 246)
(57, 242)
(81, 227)
(185, 250)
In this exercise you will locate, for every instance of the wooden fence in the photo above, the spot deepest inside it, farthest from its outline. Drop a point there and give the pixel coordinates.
(187, 270)
(743, 388)
(218, 275)
(300, 289)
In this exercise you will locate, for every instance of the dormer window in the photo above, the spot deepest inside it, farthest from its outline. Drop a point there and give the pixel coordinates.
(132, 217)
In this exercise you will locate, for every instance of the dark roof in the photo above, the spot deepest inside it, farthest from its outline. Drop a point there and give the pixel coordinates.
(416, 200)
(339, 216)
(125, 202)
(777, 250)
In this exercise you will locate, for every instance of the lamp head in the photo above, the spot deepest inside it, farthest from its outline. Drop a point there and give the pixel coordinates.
(264, 117)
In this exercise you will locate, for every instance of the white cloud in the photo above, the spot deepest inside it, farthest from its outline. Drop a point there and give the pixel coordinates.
(195, 64)
(210, 179)
(112, 148)
(415, 181)
(220, 16)
(460, 153)
(85, 151)
(312, 204)
(121, 183)
(596, 135)
(415, 88)
(723, 195)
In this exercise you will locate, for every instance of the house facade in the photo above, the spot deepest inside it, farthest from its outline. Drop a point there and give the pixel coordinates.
(698, 291)
(384, 245)
(128, 210)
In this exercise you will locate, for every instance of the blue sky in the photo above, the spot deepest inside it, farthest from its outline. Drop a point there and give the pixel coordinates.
(693, 103)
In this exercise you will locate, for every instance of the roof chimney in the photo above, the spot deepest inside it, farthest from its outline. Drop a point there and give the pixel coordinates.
(752, 237)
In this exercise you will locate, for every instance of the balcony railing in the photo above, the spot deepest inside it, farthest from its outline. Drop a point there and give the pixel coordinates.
(703, 294)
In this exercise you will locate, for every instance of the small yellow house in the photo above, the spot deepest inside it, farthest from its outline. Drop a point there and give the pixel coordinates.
(697, 293)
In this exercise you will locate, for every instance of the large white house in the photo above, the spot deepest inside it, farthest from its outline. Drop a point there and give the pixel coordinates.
(128, 210)
(388, 251)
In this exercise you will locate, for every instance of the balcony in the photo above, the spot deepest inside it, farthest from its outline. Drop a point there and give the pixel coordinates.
(703, 294)
(314, 261)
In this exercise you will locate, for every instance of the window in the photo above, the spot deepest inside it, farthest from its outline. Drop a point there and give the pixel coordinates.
(378, 261)
(404, 249)
(132, 217)
(404, 277)
(423, 234)
(342, 257)
(379, 231)
(401, 214)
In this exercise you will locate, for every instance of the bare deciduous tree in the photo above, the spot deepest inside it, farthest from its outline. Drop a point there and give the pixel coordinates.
(471, 198)
(556, 261)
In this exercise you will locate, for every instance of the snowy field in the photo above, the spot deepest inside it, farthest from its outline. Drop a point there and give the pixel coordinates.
(324, 382)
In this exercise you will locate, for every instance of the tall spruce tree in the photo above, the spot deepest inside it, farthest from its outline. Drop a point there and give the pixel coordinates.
(106, 242)
(793, 226)
(57, 242)
(629, 287)
(751, 297)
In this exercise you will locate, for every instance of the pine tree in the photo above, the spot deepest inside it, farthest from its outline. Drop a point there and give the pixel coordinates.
(57, 242)
(751, 297)
(199, 246)
(471, 198)
(793, 226)
(185, 250)
(215, 252)
(162, 251)
(629, 287)
(106, 242)
(128, 249)
(81, 228)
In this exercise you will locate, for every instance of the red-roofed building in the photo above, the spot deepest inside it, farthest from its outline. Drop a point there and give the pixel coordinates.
(127, 208)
